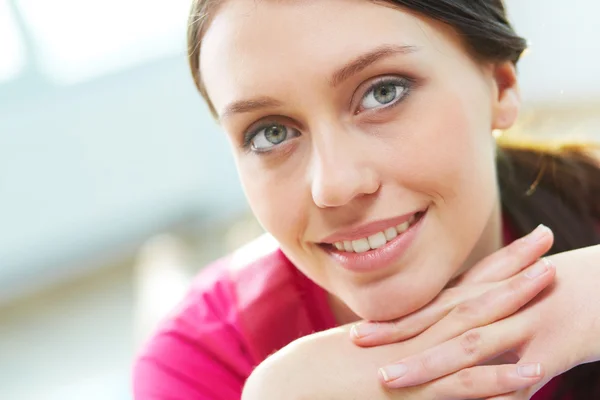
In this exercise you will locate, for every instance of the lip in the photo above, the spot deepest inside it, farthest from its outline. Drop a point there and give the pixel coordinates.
(381, 258)
(363, 231)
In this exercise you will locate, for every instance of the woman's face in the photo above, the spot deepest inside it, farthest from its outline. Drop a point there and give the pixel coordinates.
(363, 138)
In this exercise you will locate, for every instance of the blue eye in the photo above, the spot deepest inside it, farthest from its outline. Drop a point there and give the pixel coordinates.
(385, 93)
(270, 136)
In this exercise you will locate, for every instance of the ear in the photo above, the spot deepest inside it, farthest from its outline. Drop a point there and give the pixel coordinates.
(506, 101)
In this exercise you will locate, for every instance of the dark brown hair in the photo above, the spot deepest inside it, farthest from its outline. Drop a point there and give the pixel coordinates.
(558, 186)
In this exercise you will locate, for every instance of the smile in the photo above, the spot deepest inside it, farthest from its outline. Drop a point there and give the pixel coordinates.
(374, 246)
(376, 240)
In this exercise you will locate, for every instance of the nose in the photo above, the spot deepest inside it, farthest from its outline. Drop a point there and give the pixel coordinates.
(341, 171)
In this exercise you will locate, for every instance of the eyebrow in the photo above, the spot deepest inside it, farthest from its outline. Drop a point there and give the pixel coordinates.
(365, 60)
(345, 72)
(245, 106)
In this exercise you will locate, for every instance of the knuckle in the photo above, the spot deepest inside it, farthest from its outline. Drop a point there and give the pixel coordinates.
(467, 310)
(470, 343)
(518, 246)
(514, 252)
(516, 286)
(428, 363)
(399, 330)
(466, 379)
(501, 380)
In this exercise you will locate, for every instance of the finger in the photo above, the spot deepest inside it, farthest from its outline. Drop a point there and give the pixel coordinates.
(511, 259)
(481, 309)
(500, 265)
(480, 341)
(500, 302)
(485, 381)
(471, 348)
(368, 334)
(553, 366)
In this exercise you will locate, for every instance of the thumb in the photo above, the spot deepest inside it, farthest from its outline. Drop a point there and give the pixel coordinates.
(548, 369)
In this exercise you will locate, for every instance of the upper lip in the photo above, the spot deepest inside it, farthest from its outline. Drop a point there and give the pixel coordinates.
(366, 230)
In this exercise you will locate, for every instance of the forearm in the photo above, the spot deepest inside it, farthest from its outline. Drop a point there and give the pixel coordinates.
(587, 314)
(326, 365)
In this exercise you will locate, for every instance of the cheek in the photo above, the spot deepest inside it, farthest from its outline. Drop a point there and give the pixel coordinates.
(462, 159)
(279, 204)
(445, 156)
(446, 148)
(282, 205)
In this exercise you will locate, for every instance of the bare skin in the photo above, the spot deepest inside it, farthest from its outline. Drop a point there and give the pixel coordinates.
(332, 368)
(499, 345)
(345, 159)
(345, 112)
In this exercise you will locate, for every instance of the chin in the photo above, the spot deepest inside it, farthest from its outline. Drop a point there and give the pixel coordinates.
(387, 305)
(375, 314)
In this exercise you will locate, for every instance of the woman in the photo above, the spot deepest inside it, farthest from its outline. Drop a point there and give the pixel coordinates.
(362, 133)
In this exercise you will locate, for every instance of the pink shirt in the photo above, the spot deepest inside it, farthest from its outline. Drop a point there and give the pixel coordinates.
(238, 311)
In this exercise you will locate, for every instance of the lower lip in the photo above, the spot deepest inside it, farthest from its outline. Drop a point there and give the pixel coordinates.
(378, 259)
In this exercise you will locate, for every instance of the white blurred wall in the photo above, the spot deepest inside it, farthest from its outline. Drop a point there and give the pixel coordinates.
(563, 64)
(90, 168)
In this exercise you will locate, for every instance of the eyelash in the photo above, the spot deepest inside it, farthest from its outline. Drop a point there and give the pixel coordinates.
(248, 136)
(253, 132)
(405, 82)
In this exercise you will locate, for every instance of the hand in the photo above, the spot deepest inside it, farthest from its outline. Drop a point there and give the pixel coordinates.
(483, 277)
(564, 319)
(325, 366)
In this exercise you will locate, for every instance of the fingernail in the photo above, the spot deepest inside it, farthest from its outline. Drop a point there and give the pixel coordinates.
(393, 372)
(530, 370)
(363, 329)
(539, 268)
(538, 234)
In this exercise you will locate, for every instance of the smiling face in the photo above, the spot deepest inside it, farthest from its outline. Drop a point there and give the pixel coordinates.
(362, 136)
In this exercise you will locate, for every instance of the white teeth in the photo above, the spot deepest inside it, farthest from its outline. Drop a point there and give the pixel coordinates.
(390, 233)
(374, 241)
(377, 240)
(361, 245)
(403, 227)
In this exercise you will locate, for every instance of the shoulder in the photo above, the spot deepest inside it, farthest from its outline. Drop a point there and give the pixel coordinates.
(209, 338)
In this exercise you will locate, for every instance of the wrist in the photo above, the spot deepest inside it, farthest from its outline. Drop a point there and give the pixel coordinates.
(594, 304)
(586, 316)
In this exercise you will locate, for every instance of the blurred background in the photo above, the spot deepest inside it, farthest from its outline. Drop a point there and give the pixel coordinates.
(116, 186)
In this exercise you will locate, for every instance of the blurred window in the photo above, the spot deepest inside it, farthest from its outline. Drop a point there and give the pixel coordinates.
(79, 40)
(11, 47)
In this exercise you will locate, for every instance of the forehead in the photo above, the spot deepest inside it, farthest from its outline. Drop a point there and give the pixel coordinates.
(254, 47)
